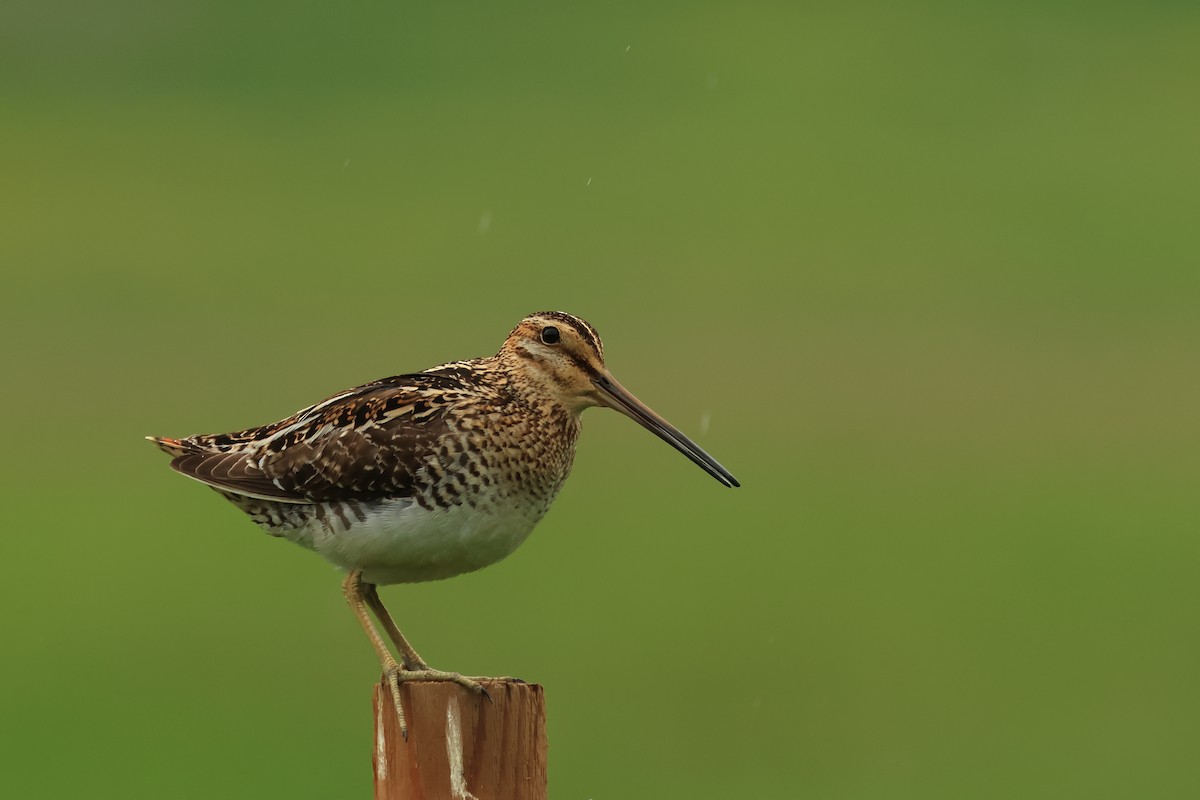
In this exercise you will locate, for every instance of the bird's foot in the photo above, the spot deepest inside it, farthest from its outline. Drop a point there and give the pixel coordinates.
(497, 679)
(425, 673)
(394, 674)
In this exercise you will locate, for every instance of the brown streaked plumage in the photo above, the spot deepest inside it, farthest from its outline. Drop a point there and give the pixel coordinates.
(428, 475)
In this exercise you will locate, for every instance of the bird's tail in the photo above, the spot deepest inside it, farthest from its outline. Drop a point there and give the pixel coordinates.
(172, 447)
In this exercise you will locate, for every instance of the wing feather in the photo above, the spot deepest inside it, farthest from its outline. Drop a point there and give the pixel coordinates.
(365, 443)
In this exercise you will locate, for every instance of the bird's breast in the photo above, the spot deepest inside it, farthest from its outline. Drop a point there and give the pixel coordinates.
(499, 461)
(474, 500)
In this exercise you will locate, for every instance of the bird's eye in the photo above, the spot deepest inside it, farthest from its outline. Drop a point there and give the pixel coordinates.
(550, 335)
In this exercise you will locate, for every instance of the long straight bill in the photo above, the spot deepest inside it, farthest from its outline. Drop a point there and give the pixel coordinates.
(618, 397)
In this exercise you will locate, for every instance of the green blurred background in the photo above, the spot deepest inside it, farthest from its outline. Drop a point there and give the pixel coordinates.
(925, 276)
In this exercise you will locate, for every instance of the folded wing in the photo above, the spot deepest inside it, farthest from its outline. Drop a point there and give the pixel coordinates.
(366, 443)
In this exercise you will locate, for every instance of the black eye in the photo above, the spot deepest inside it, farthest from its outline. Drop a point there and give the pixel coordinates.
(550, 335)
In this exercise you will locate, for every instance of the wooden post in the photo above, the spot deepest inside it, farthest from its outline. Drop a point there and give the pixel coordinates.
(460, 746)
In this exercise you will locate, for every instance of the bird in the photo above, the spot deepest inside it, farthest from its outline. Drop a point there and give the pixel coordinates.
(427, 475)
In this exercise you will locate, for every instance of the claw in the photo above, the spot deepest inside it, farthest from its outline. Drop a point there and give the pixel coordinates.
(392, 676)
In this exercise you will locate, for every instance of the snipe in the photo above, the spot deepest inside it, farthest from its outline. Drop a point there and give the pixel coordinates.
(424, 476)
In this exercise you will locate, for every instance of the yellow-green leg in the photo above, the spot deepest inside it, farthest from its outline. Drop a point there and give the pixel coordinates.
(359, 595)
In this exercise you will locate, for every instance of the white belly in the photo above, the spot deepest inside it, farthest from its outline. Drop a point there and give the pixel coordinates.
(401, 542)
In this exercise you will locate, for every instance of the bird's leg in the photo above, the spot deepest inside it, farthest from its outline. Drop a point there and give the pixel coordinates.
(358, 594)
(408, 656)
(414, 667)
(352, 588)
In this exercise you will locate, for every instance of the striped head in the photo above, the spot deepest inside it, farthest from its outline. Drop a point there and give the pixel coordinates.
(560, 354)
(563, 357)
